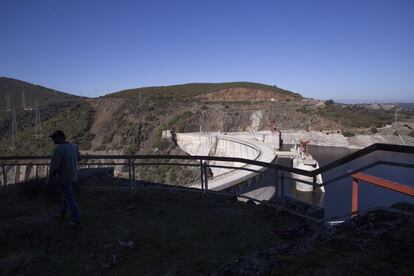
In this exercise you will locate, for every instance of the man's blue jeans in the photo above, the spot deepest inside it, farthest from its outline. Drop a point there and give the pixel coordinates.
(68, 199)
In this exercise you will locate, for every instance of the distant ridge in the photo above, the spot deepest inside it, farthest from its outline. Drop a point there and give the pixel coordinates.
(197, 89)
(14, 88)
(367, 101)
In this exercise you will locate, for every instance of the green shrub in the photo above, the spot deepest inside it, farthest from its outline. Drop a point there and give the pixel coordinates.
(179, 118)
(150, 117)
(162, 144)
(84, 145)
(355, 117)
(108, 138)
(374, 130)
(303, 109)
(411, 134)
(348, 134)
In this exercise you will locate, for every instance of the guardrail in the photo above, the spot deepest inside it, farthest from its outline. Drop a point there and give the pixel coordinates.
(202, 162)
(377, 181)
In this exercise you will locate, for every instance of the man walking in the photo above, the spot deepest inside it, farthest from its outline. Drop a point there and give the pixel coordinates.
(64, 168)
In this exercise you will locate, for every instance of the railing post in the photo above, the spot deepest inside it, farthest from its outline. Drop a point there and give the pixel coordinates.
(129, 173)
(47, 172)
(133, 174)
(201, 174)
(4, 176)
(354, 196)
(205, 176)
(282, 191)
(277, 189)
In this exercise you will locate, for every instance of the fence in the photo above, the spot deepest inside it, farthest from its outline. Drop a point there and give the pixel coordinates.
(280, 173)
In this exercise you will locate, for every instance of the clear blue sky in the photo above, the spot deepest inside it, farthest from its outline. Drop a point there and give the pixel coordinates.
(322, 49)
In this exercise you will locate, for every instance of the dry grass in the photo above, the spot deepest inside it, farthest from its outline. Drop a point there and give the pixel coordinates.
(174, 233)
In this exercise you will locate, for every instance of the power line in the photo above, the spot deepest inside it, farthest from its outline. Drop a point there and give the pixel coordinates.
(13, 131)
(23, 101)
(8, 105)
(396, 119)
(37, 118)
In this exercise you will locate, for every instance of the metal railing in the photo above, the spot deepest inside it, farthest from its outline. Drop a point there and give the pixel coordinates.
(202, 161)
(379, 182)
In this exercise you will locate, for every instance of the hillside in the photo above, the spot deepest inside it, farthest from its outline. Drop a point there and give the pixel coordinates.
(54, 107)
(131, 121)
(73, 117)
(14, 88)
(406, 106)
(193, 90)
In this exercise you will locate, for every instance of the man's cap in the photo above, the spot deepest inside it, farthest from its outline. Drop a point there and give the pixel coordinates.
(57, 133)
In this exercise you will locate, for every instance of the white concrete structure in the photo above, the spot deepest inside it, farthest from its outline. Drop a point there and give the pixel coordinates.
(239, 145)
(306, 163)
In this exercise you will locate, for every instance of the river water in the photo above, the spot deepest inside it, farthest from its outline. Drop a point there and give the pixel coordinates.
(338, 196)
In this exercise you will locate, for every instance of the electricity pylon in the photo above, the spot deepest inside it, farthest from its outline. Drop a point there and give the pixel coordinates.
(37, 119)
(8, 105)
(23, 101)
(13, 131)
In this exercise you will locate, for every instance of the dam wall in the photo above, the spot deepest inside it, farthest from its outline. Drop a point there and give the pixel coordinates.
(217, 145)
(237, 145)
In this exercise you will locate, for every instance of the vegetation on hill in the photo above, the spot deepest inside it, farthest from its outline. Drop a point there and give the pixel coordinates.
(131, 121)
(352, 116)
(406, 106)
(191, 90)
(74, 118)
(15, 89)
(169, 173)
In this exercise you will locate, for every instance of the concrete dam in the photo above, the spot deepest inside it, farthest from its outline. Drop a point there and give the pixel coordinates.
(260, 146)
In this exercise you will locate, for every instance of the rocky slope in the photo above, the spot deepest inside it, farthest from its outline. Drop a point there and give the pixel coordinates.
(131, 121)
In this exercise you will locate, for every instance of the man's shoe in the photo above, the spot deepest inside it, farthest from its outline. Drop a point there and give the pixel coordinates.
(75, 224)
